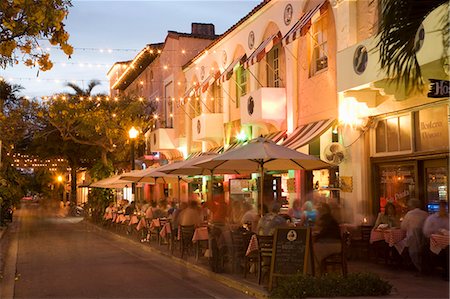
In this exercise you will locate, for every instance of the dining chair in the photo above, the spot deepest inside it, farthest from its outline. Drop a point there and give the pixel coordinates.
(238, 250)
(338, 259)
(360, 243)
(186, 234)
(265, 248)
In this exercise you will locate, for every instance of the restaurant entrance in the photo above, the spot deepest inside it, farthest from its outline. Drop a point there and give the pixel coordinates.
(435, 177)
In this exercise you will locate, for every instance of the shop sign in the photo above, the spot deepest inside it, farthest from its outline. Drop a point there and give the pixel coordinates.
(432, 129)
(439, 89)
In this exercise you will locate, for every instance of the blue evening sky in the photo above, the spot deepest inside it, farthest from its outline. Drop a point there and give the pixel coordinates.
(124, 26)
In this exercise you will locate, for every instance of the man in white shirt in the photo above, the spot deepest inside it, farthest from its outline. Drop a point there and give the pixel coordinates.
(413, 224)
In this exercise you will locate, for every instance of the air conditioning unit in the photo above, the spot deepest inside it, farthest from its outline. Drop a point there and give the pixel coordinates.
(334, 153)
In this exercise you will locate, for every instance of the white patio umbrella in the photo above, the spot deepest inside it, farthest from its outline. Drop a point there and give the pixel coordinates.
(261, 155)
(189, 167)
(114, 181)
(149, 175)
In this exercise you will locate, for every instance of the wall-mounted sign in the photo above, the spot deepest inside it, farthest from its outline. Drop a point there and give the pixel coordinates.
(250, 105)
(199, 126)
(432, 129)
(360, 59)
(202, 72)
(419, 38)
(224, 57)
(251, 40)
(288, 14)
(439, 89)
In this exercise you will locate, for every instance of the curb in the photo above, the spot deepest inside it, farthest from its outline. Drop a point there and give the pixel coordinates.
(230, 282)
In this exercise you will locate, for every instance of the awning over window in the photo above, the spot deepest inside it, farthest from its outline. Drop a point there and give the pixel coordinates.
(209, 81)
(262, 50)
(275, 137)
(226, 75)
(307, 133)
(302, 26)
(215, 150)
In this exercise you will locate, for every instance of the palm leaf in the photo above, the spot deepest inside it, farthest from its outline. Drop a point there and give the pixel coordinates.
(399, 23)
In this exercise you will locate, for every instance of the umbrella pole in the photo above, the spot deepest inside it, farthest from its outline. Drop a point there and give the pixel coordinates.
(262, 188)
(210, 193)
(179, 191)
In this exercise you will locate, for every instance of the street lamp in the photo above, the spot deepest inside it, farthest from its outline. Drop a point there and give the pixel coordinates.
(132, 133)
(59, 178)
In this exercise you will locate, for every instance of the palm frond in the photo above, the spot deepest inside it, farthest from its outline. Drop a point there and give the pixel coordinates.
(78, 90)
(91, 86)
(399, 23)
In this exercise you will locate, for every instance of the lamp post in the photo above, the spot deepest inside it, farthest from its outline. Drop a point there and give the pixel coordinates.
(132, 133)
(60, 180)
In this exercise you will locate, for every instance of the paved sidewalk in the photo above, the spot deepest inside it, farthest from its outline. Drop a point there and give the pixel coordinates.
(406, 283)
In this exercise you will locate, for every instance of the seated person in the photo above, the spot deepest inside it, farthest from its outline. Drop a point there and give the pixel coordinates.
(296, 210)
(435, 224)
(309, 214)
(437, 221)
(130, 208)
(413, 224)
(327, 239)
(270, 221)
(190, 215)
(389, 218)
(250, 217)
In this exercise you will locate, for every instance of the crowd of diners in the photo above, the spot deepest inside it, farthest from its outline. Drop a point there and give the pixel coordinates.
(321, 217)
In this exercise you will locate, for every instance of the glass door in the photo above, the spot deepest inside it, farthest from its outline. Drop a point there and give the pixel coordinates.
(436, 183)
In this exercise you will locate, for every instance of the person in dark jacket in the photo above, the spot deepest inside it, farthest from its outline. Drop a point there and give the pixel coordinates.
(327, 238)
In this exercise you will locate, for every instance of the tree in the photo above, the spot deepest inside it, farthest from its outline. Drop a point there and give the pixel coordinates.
(25, 23)
(98, 121)
(399, 23)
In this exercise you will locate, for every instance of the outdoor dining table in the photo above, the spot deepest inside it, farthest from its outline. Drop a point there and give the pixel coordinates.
(200, 234)
(394, 237)
(165, 230)
(142, 224)
(438, 242)
(134, 219)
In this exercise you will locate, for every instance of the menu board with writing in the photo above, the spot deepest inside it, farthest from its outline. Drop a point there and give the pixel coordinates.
(291, 252)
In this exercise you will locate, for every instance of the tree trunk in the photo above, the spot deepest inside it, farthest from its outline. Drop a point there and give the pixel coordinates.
(104, 157)
(73, 184)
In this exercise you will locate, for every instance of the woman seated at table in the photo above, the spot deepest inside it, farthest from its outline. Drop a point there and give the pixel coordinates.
(309, 214)
(388, 219)
(327, 236)
(296, 211)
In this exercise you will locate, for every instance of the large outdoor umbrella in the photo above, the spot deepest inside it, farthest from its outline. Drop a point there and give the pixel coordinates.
(189, 167)
(111, 182)
(150, 176)
(261, 155)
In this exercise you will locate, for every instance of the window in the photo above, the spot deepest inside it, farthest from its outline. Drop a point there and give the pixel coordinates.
(273, 67)
(393, 134)
(241, 84)
(319, 47)
(217, 93)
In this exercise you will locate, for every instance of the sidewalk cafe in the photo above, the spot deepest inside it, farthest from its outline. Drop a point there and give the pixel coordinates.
(255, 236)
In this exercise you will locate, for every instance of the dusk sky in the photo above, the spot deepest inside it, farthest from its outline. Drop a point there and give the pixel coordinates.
(96, 27)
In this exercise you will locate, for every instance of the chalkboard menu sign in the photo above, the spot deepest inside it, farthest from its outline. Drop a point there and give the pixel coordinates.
(291, 252)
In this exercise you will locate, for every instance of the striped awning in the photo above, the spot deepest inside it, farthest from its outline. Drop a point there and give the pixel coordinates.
(275, 137)
(228, 72)
(209, 81)
(302, 26)
(307, 133)
(215, 150)
(262, 50)
(190, 92)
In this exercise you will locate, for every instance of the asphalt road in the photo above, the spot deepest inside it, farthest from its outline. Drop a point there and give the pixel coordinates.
(56, 257)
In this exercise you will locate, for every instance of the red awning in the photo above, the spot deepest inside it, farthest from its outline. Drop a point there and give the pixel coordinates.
(302, 26)
(262, 50)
